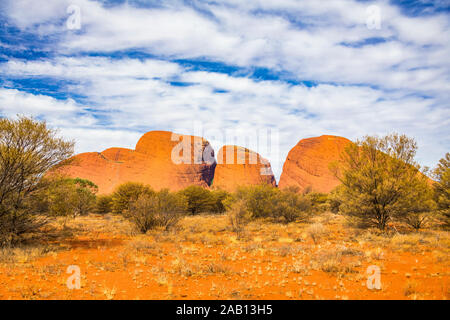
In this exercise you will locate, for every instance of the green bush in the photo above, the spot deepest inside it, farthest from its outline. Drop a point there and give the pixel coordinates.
(219, 197)
(85, 195)
(160, 209)
(199, 199)
(259, 199)
(265, 201)
(126, 194)
(291, 206)
(59, 198)
(319, 201)
(334, 200)
(69, 197)
(104, 204)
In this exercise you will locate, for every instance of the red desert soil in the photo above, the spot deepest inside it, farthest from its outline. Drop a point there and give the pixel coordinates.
(150, 163)
(202, 259)
(307, 164)
(238, 166)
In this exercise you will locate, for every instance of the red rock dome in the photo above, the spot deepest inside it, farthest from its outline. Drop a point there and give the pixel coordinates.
(238, 166)
(153, 162)
(307, 164)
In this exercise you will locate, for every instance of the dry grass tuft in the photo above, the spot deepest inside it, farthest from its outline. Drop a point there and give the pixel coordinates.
(316, 231)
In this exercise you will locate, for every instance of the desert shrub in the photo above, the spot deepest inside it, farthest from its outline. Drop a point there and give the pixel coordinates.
(199, 199)
(238, 215)
(28, 149)
(290, 206)
(334, 200)
(104, 204)
(416, 220)
(319, 201)
(442, 188)
(160, 209)
(381, 182)
(265, 201)
(126, 194)
(296, 189)
(69, 197)
(316, 231)
(258, 199)
(59, 198)
(85, 195)
(219, 197)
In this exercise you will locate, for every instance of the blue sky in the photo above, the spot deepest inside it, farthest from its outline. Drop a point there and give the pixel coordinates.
(298, 68)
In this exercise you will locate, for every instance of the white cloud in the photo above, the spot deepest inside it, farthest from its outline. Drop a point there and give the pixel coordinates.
(133, 104)
(259, 33)
(104, 138)
(13, 101)
(65, 116)
(89, 67)
(400, 85)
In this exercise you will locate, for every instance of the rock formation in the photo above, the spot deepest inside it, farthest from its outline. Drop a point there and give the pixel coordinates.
(307, 164)
(238, 166)
(161, 159)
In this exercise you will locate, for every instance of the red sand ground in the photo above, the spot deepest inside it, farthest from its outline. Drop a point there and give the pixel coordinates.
(202, 259)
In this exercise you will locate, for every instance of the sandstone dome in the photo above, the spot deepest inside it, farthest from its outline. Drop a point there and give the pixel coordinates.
(307, 164)
(152, 162)
(238, 166)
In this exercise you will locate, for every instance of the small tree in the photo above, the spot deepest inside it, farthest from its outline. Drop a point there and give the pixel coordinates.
(199, 199)
(128, 193)
(28, 149)
(381, 181)
(442, 188)
(161, 209)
